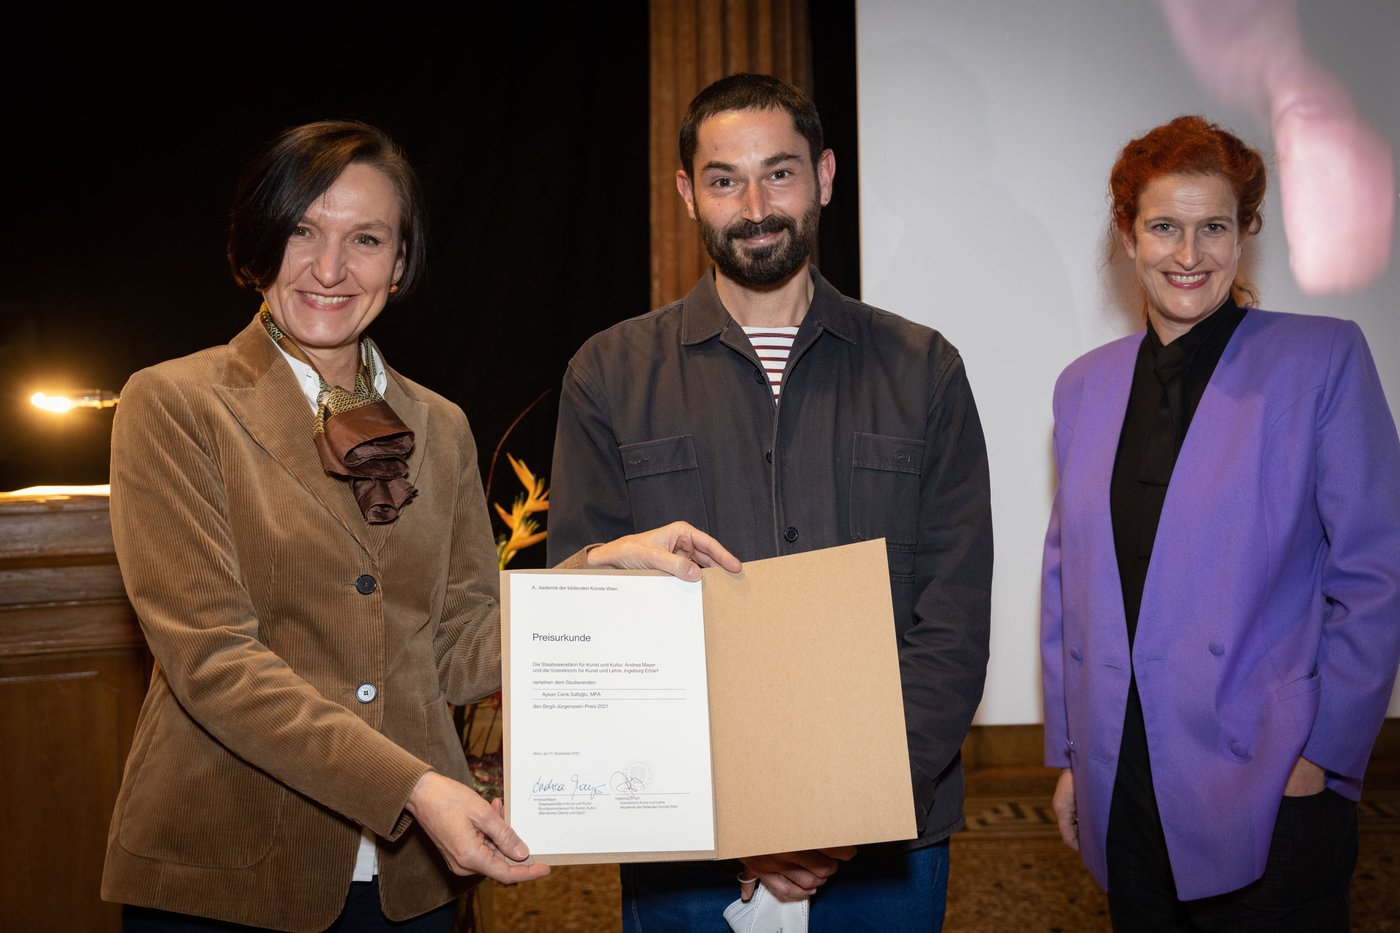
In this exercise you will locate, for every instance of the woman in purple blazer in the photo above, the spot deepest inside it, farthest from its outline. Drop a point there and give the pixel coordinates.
(1221, 595)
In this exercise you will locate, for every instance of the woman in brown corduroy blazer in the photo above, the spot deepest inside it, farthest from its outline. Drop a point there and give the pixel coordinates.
(311, 617)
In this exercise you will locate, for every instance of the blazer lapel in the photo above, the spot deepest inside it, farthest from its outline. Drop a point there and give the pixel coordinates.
(262, 394)
(1206, 469)
(1099, 426)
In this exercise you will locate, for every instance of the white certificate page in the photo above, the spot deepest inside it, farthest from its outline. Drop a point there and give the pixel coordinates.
(608, 715)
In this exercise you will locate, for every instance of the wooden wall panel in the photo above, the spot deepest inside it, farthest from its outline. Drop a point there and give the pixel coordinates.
(73, 673)
(65, 725)
(695, 42)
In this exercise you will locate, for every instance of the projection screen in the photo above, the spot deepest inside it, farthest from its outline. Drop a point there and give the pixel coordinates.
(987, 129)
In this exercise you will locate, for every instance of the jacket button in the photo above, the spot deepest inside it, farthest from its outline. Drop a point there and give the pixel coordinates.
(1238, 749)
(1076, 654)
(760, 377)
(768, 455)
(1216, 648)
(366, 584)
(790, 535)
(366, 693)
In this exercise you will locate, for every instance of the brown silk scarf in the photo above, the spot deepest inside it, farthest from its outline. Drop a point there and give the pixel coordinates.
(357, 434)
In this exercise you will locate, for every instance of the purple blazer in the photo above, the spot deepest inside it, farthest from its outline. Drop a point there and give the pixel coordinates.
(1270, 621)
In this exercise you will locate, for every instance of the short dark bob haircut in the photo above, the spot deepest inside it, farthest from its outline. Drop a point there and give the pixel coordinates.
(279, 185)
(744, 91)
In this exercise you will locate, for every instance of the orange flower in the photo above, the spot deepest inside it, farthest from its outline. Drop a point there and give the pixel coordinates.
(524, 530)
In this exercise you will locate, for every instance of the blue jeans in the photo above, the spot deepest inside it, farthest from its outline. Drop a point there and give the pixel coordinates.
(881, 889)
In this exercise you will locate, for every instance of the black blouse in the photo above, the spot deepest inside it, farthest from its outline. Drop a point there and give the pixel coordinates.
(1168, 382)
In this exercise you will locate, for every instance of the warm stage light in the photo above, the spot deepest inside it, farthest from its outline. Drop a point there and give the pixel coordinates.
(60, 402)
(54, 403)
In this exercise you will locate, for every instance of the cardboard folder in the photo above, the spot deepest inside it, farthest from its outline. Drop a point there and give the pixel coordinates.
(807, 737)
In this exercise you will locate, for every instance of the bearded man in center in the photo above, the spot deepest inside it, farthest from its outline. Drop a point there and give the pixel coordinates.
(780, 416)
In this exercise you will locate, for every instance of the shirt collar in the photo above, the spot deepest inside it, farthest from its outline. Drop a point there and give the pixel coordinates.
(1224, 316)
(704, 317)
(1170, 360)
(310, 382)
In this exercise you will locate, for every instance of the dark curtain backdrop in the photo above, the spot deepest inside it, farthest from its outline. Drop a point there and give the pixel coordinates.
(531, 143)
(833, 26)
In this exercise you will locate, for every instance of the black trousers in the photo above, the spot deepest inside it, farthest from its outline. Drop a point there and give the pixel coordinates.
(1306, 882)
(361, 915)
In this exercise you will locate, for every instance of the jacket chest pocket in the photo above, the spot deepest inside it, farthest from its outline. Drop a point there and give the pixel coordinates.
(663, 482)
(885, 495)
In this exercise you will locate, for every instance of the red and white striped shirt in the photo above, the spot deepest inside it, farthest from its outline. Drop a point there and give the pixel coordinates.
(772, 344)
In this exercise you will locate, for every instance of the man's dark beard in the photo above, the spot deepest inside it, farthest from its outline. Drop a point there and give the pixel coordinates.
(767, 265)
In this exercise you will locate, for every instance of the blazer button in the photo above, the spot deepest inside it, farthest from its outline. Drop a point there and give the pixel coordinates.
(760, 377)
(1076, 654)
(790, 535)
(366, 584)
(1239, 749)
(768, 455)
(366, 693)
(1216, 648)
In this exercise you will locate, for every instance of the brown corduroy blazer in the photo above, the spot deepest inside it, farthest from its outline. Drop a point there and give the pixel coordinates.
(268, 604)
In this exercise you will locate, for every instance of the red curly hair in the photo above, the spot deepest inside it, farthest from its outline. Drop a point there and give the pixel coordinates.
(1191, 145)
